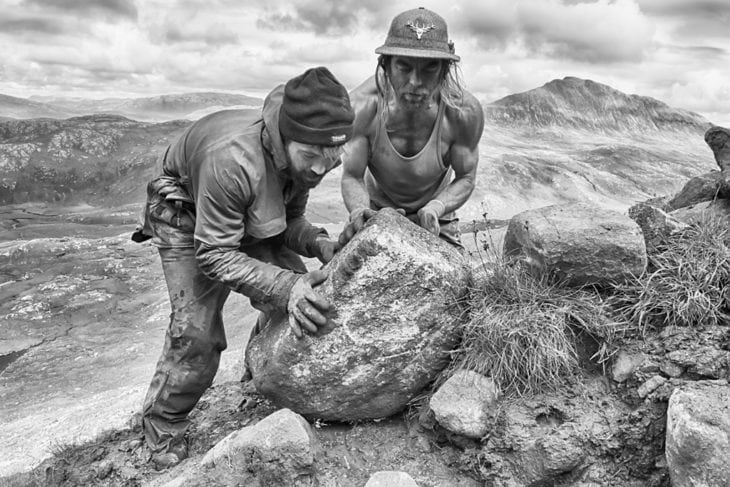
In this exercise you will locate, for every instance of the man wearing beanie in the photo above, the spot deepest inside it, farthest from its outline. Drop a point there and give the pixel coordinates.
(227, 214)
(416, 136)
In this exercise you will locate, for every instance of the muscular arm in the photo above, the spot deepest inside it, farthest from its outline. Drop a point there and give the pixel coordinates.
(357, 150)
(466, 124)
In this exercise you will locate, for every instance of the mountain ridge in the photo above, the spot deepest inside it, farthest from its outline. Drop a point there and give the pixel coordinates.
(188, 106)
(585, 104)
(569, 140)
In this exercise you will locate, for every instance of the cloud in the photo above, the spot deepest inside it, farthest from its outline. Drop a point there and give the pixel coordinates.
(595, 32)
(331, 17)
(211, 35)
(698, 19)
(707, 53)
(110, 9)
(27, 25)
(684, 8)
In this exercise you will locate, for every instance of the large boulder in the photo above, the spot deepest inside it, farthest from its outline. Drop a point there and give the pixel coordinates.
(698, 435)
(396, 290)
(705, 187)
(718, 138)
(578, 243)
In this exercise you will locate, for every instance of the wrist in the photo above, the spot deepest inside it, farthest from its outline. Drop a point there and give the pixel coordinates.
(437, 206)
(358, 211)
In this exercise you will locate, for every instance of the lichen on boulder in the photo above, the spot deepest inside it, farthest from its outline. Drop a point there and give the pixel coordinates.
(396, 291)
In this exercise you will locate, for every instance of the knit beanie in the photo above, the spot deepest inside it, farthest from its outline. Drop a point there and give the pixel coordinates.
(316, 109)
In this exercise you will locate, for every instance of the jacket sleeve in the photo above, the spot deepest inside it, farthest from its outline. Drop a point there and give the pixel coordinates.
(300, 235)
(222, 195)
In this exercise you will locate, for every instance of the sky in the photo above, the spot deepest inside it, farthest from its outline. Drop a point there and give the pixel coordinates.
(677, 51)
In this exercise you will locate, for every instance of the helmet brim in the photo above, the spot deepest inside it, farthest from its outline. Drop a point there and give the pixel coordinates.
(408, 52)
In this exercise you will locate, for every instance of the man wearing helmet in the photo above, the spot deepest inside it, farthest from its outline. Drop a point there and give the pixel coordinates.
(415, 128)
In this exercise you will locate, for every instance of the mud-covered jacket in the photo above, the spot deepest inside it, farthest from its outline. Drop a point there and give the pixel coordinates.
(237, 175)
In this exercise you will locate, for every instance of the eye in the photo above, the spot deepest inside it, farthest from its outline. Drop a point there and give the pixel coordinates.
(433, 68)
(402, 67)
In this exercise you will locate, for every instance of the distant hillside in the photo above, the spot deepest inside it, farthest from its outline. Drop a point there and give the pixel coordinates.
(577, 140)
(187, 106)
(12, 107)
(584, 104)
(569, 140)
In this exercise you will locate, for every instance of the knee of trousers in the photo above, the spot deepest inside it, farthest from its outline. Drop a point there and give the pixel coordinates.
(196, 345)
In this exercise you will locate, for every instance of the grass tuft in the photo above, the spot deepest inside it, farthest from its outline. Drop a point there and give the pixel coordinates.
(522, 330)
(687, 282)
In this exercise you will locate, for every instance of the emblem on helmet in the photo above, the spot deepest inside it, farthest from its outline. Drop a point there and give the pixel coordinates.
(420, 29)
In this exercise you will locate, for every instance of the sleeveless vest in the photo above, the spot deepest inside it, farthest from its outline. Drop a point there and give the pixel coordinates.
(397, 181)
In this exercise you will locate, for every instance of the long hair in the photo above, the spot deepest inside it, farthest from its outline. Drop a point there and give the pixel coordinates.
(451, 88)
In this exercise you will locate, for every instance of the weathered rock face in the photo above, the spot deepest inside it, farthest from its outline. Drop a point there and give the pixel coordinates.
(718, 138)
(719, 209)
(723, 191)
(395, 289)
(697, 352)
(698, 434)
(698, 189)
(554, 439)
(578, 243)
(279, 450)
(655, 224)
(466, 404)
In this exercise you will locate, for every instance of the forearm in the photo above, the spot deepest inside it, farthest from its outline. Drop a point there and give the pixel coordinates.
(261, 282)
(456, 194)
(354, 193)
(300, 236)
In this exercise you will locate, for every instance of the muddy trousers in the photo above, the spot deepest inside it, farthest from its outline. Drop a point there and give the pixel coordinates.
(194, 340)
(193, 344)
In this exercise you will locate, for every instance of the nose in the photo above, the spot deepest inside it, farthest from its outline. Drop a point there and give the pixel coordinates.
(320, 167)
(414, 78)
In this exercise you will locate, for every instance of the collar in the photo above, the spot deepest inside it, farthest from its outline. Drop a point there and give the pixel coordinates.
(270, 135)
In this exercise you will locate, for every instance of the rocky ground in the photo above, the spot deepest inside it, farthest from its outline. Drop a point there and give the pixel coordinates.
(84, 315)
(84, 312)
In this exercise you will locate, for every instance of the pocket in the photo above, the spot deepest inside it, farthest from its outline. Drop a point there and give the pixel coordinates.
(169, 202)
(172, 214)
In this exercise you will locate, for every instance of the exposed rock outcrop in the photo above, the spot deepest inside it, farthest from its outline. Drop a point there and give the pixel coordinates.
(715, 209)
(280, 449)
(698, 435)
(578, 243)
(718, 138)
(698, 189)
(396, 290)
(552, 439)
(655, 224)
(96, 158)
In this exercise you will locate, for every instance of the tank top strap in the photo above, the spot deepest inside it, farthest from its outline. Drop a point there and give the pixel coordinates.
(381, 131)
(380, 126)
(437, 130)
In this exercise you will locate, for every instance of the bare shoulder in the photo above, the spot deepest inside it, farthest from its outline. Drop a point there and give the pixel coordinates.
(467, 119)
(364, 100)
